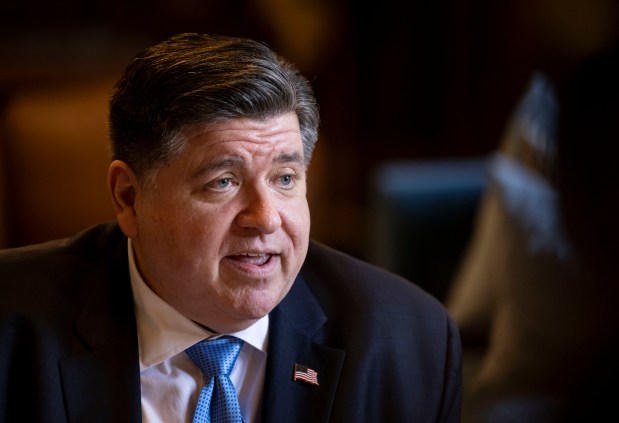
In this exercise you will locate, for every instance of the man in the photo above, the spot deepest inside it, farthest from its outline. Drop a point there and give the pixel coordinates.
(211, 140)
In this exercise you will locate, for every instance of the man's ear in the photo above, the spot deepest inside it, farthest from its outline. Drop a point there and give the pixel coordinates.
(123, 186)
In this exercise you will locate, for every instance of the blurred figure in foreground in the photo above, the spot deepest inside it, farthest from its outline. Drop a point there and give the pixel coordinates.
(541, 277)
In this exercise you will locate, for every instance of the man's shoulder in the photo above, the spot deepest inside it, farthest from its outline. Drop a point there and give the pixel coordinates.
(364, 303)
(61, 256)
(36, 279)
(94, 237)
(327, 269)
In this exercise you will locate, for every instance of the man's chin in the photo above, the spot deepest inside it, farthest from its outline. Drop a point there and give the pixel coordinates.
(255, 304)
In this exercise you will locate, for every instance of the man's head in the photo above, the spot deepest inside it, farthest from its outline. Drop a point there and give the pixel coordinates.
(195, 78)
(211, 139)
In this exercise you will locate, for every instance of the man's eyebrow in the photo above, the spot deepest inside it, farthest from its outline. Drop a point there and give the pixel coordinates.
(226, 162)
(288, 158)
(236, 161)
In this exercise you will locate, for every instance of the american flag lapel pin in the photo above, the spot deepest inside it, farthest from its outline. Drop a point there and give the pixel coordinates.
(305, 374)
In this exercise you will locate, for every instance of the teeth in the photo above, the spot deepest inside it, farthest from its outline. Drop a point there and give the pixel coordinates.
(256, 259)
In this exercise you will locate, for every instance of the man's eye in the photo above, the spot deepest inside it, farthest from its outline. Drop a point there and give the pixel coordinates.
(286, 180)
(223, 183)
(220, 184)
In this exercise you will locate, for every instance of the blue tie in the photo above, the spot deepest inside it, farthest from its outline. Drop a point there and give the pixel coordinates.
(218, 402)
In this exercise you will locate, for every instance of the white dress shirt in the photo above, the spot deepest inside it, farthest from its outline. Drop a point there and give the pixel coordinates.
(170, 382)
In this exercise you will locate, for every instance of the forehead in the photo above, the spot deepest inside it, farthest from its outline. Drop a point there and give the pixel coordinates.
(282, 129)
(241, 143)
(235, 143)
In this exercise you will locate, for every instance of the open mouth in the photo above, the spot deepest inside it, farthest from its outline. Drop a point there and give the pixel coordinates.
(257, 259)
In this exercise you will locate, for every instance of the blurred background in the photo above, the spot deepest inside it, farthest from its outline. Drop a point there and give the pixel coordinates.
(396, 81)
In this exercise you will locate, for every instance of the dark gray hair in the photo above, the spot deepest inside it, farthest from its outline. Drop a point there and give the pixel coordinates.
(192, 79)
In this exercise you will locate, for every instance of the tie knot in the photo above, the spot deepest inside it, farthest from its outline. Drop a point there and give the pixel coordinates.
(217, 356)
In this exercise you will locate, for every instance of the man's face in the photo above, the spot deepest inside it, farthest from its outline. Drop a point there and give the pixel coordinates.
(222, 230)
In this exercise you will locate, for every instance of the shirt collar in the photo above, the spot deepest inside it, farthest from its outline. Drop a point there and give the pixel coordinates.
(163, 332)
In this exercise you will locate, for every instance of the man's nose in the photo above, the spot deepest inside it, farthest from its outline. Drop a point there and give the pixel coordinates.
(260, 210)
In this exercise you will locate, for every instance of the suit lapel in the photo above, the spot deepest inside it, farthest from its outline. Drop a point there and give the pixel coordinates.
(103, 383)
(294, 325)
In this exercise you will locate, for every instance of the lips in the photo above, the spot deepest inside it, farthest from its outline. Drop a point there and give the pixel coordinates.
(257, 259)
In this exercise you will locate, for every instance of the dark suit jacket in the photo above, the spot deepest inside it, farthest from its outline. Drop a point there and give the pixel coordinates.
(384, 350)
